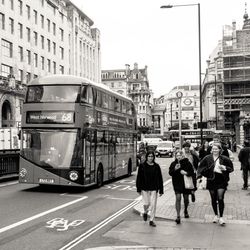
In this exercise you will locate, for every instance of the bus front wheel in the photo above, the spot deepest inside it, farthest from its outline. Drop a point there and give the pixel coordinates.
(99, 180)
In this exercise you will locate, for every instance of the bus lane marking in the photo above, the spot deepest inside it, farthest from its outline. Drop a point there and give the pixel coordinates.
(103, 223)
(4, 229)
(97, 227)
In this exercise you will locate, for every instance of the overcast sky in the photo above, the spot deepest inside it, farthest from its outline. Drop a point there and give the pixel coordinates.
(166, 40)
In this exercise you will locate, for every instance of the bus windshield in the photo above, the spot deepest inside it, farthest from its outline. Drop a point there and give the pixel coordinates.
(52, 148)
(53, 93)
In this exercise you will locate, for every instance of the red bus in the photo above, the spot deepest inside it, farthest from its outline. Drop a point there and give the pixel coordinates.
(76, 133)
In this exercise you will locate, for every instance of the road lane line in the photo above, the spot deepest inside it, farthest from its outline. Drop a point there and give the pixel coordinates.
(103, 223)
(9, 184)
(4, 229)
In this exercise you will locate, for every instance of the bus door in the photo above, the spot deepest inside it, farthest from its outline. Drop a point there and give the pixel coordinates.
(89, 156)
(112, 156)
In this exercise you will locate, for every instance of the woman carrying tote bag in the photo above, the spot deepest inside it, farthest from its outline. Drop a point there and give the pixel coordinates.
(179, 168)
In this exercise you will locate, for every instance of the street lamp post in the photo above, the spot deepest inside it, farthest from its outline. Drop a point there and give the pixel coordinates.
(199, 41)
(215, 102)
(179, 95)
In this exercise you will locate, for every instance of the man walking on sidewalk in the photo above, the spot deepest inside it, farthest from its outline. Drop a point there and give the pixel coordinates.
(244, 158)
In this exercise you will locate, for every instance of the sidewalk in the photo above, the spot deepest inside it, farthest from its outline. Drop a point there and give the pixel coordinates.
(197, 232)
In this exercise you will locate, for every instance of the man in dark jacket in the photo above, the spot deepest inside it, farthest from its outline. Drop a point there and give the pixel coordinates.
(244, 158)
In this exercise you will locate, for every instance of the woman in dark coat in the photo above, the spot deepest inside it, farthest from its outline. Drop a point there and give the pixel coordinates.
(149, 183)
(216, 168)
(178, 168)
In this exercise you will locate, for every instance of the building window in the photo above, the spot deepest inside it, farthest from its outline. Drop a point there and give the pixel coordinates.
(48, 45)
(7, 48)
(11, 4)
(6, 70)
(20, 30)
(20, 53)
(2, 21)
(35, 60)
(42, 62)
(61, 69)
(48, 25)
(28, 11)
(61, 53)
(61, 15)
(48, 65)
(20, 75)
(61, 34)
(35, 16)
(35, 38)
(11, 23)
(42, 21)
(54, 48)
(54, 29)
(28, 77)
(42, 42)
(20, 7)
(54, 67)
(28, 56)
(28, 34)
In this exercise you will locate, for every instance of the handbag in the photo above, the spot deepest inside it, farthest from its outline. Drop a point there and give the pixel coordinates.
(188, 182)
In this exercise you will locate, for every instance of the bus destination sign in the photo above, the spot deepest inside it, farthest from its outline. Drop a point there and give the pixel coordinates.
(50, 117)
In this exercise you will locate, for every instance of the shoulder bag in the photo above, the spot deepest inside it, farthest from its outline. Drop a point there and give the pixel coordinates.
(188, 182)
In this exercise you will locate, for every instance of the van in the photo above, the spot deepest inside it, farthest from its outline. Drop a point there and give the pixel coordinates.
(151, 143)
(165, 148)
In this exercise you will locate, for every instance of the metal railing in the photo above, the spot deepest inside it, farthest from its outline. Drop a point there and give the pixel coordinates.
(9, 162)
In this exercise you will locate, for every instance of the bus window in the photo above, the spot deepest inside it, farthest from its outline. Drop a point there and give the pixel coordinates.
(98, 98)
(124, 107)
(87, 94)
(52, 93)
(104, 100)
(111, 103)
(117, 105)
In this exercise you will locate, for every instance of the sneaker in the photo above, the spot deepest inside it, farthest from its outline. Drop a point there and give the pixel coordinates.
(145, 216)
(193, 197)
(152, 224)
(244, 188)
(216, 219)
(221, 221)
(186, 215)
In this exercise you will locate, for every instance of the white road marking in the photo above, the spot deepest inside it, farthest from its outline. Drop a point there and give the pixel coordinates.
(9, 184)
(103, 223)
(4, 229)
(72, 195)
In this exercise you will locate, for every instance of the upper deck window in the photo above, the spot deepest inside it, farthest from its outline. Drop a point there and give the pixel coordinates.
(53, 93)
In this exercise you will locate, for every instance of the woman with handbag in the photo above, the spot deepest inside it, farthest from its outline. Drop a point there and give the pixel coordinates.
(181, 171)
(216, 168)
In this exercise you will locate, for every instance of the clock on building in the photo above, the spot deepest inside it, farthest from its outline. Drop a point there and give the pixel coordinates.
(187, 101)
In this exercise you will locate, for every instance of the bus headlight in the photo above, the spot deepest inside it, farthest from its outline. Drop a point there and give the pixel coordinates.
(73, 175)
(23, 172)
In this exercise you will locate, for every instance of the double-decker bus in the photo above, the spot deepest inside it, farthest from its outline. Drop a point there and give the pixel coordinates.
(75, 133)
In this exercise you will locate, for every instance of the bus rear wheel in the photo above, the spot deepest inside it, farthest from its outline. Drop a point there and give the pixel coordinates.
(99, 177)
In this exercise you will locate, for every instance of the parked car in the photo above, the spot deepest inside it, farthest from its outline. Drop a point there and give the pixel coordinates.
(165, 148)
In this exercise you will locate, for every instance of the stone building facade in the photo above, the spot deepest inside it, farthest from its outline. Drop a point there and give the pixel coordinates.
(133, 83)
(43, 37)
(230, 67)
